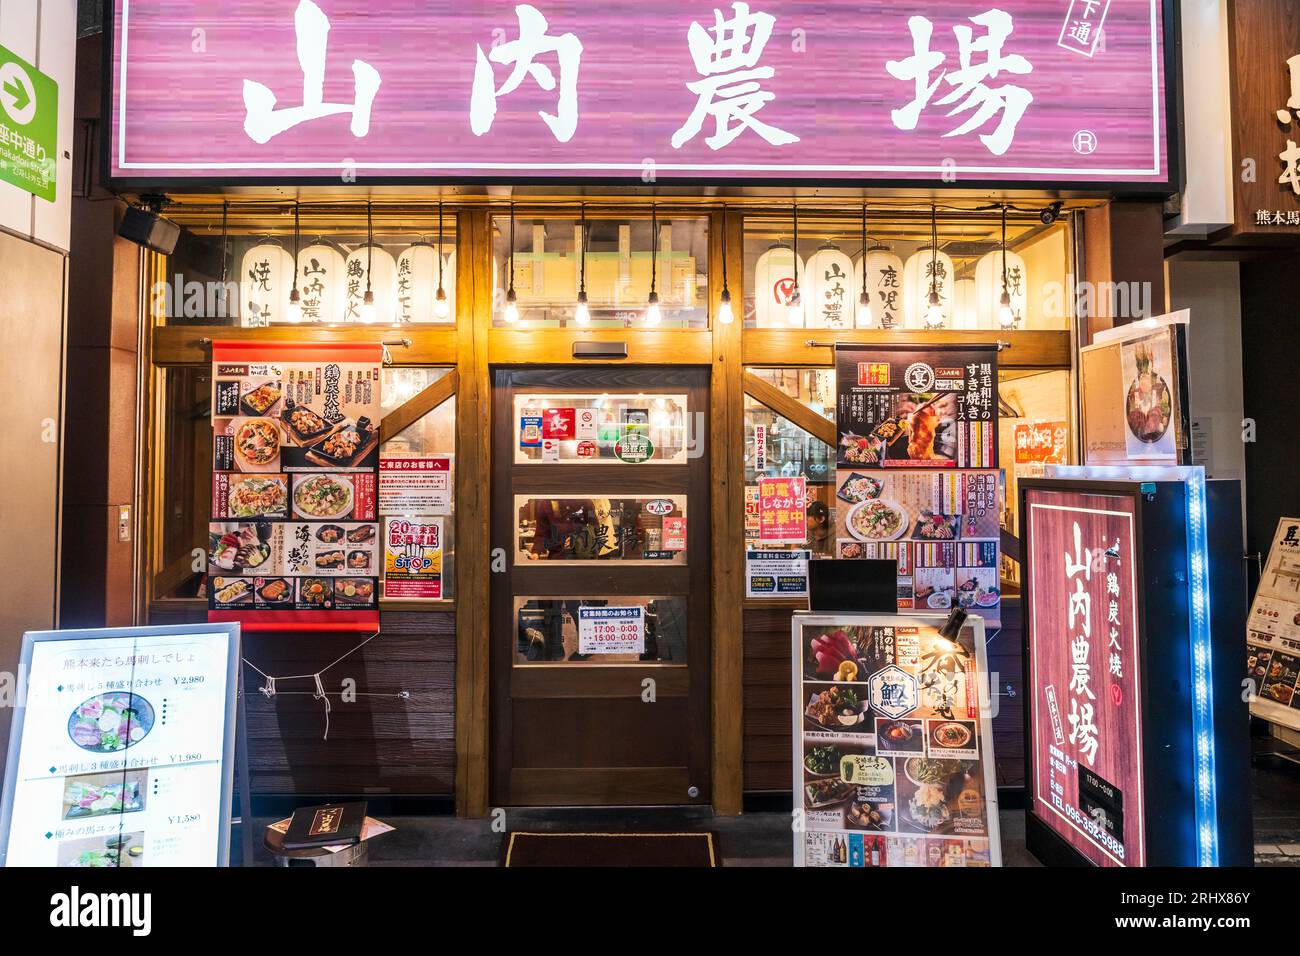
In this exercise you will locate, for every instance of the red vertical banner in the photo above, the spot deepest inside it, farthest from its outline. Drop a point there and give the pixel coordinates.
(294, 540)
(1085, 736)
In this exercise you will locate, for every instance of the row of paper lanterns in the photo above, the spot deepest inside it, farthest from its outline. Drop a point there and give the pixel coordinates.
(332, 286)
(830, 283)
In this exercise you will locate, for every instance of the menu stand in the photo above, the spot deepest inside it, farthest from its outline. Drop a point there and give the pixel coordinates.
(242, 784)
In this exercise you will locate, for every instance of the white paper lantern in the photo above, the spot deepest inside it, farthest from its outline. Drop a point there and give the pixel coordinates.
(322, 282)
(417, 280)
(988, 288)
(884, 285)
(383, 282)
(830, 298)
(773, 285)
(923, 264)
(963, 310)
(265, 277)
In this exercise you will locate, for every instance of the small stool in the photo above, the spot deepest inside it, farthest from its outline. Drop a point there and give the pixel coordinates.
(355, 855)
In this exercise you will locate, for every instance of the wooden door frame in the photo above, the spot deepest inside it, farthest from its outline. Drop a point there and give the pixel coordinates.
(607, 579)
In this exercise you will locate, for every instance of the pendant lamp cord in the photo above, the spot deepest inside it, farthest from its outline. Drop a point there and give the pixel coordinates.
(439, 243)
(370, 243)
(654, 246)
(582, 251)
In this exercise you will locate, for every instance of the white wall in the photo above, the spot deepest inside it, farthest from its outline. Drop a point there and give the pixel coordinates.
(1212, 291)
(44, 33)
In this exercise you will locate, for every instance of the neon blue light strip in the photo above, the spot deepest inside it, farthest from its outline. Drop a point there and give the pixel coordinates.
(1198, 595)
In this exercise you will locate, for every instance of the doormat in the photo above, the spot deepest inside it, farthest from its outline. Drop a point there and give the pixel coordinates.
(611, 849)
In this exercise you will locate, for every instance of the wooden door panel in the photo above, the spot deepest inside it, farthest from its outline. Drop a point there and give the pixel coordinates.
(579, 731)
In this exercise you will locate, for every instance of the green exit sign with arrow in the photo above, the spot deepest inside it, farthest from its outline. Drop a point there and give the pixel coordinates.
(29, 126)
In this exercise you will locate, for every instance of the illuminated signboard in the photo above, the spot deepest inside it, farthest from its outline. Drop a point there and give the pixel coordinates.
(1133, 588)
(760, 91)
(1086, 733)
(122, 753)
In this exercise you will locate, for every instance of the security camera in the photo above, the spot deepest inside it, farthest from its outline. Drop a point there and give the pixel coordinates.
(1050, 214)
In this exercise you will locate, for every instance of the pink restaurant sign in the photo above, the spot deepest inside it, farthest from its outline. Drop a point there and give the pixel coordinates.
(1044, 91)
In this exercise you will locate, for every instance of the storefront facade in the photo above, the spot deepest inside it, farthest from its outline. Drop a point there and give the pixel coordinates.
(609, 370)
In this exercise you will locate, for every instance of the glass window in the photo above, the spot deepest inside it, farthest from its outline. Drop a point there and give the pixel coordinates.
(185, 482)
(432, 436)
(601, 429)
(185, 464)
(548, 630)
(965, 270)
(627, 529)
(250, 285)
(621, 265)
(788, 450)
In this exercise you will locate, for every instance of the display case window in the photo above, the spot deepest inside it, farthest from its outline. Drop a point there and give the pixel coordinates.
(595, 429)
(621, 257)
(551, 630)
(643, 529)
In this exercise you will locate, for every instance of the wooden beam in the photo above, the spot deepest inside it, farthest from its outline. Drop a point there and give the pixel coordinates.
(1032, 349)
(727, 437)
(415, 408)
(473, 498)
(801, 415)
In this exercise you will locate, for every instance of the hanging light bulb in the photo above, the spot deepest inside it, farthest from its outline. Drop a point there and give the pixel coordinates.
(1006, 317)
(864, 318)
(725, 315)
(441, 308)
(934, 312)
(293, 314)
(512, 301)
(653, 314)
(581, 313)
(794, 313)
(368, 301)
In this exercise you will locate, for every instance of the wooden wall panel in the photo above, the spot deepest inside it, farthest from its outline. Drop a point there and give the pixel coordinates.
(377, 746)
(767, 699)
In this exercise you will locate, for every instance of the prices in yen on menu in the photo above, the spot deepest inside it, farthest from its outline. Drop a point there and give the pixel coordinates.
(1273, 632)
(893, 744)
(294, 538)
(123, 754)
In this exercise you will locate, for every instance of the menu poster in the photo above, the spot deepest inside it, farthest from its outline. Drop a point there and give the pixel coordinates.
(1147, 367)
(893, 745)
(904, 406)
(413, 554)
(294, 539)
(1084, 660)
(1042, 443)
(1273, 632)
(123, 753)
(942, 527)
(782, 510)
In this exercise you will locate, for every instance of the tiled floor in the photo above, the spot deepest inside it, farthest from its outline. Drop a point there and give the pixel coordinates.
(763, 838)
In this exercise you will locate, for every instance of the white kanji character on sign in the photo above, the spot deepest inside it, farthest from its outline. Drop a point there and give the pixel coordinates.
(262, 120)
(730, 91)
(971, 90)
(522, 55)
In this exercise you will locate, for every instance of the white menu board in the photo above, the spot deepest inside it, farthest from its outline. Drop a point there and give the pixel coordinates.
(1273, 632)
(123, 752)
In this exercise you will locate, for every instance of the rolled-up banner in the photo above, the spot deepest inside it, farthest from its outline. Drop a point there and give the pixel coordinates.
(294, 540)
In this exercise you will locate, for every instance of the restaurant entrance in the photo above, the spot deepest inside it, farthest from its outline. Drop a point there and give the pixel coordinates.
(600, 604)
